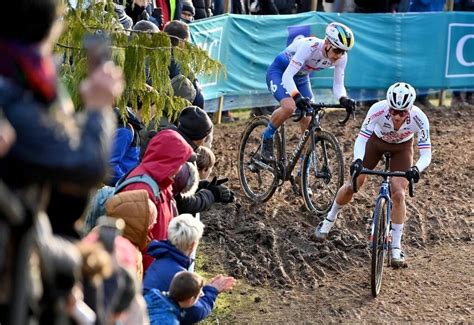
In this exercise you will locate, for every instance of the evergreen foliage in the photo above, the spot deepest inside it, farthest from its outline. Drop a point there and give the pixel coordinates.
(135, 52)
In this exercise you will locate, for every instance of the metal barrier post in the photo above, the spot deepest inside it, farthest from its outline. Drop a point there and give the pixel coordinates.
(218, 115)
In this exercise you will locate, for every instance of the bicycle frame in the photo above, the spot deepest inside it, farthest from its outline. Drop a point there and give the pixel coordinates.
(280, 169)
(287, 164)
(384, 193)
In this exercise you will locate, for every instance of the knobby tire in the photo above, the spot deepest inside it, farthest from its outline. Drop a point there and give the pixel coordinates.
(378, 242)
(323, 194)
(249, 148)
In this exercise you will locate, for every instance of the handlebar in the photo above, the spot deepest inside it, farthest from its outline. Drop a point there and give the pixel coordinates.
(316, 107)
(411, 185)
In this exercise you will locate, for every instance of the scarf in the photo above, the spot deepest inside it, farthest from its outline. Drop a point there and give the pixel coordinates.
(23, 64)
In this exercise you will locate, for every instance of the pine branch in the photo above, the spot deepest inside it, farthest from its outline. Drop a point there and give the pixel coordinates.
(136, 53)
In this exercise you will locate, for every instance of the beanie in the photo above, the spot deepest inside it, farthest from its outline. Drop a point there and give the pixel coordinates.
(183, 87)
(194, 123)
(188, 6)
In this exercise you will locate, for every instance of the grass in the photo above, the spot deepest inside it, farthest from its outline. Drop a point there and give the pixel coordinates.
(242, 114)
(228, 304)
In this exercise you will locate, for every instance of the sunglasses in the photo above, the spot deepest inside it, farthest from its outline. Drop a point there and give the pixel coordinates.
(397, 112)
(337, 51)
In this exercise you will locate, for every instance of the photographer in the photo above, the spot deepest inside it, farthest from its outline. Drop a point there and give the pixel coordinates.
(55, 154)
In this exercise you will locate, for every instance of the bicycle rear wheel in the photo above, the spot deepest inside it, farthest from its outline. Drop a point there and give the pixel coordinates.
(323, 173)
(259, 180)
(378, 245)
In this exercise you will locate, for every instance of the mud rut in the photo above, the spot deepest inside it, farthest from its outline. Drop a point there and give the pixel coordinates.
(272, 245)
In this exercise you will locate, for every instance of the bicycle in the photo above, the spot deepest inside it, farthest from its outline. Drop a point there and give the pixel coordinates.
(323, 164)
(380, 234)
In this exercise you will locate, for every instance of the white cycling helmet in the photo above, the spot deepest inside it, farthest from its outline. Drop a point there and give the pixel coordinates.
(340, 36)
(401, 96)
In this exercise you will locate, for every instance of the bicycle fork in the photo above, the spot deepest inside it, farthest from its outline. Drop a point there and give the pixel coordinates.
(384, 194)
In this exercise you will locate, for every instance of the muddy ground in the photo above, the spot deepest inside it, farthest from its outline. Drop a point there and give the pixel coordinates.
(293, 279)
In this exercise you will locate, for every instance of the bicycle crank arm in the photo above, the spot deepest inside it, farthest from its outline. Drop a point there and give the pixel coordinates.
(263, 166)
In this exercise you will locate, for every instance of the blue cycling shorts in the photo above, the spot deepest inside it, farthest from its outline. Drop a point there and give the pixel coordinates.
(274, 80)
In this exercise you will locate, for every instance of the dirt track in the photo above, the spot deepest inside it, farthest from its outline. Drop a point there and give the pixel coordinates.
(271, 246)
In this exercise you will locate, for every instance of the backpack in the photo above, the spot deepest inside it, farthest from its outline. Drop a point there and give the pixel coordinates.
(97, 205)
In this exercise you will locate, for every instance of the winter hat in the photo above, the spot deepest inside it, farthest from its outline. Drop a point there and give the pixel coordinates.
(188, 6)
(194, 123)
(146, 26)
(183, 87)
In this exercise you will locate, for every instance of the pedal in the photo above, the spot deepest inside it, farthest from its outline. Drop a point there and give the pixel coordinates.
(252, 168)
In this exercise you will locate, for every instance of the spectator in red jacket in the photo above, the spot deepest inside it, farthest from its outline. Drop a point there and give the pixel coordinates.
(163, 158)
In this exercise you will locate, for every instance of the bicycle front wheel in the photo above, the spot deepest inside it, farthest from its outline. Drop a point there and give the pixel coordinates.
(323, 173)
(378, 245)
(259, 180)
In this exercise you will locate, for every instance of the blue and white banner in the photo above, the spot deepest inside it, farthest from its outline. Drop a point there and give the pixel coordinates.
(431, 51)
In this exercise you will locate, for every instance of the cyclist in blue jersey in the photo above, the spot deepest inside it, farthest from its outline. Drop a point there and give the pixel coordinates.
(288, 77)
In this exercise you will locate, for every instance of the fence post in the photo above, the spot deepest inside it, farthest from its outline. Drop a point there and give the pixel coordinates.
(442, 92)
(442, 97)
(220, 107)
(449, 5)
(227, 6)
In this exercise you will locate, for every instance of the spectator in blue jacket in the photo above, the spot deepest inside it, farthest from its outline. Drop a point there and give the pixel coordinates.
(172, 256)
(125, 153)
(164, 308)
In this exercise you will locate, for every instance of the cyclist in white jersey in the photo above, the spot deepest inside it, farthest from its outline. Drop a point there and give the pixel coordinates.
(288, 77)
(388, 127)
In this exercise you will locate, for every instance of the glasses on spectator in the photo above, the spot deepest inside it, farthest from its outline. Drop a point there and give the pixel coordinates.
(338, 51)
(397, 112)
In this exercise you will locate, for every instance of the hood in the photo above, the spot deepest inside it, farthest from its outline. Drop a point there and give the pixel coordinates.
(165, 153)
(164, 249)
(134, 209)
(185, 137)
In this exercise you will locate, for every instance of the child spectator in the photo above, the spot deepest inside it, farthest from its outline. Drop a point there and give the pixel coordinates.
(205, 162)
(172, 256)
(164, 308)
(194, 196)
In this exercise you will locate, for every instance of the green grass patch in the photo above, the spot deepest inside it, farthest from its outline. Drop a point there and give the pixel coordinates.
(242, 114)
(228, 304)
